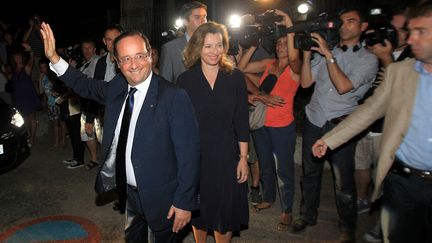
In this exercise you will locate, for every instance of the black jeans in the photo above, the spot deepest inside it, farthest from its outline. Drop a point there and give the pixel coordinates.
(73, 124)
(406, 214)
(342, 165)
(137, 228)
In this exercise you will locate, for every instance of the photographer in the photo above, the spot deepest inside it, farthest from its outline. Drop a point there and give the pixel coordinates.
(341, 77)
(278, 136)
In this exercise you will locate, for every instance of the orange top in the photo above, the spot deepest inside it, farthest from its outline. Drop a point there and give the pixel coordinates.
(286, 87)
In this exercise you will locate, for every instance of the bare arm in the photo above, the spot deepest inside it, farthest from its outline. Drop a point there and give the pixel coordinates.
(257, 95)
(293, 53)
(306, 78)
(252, 83)
(242, 167)
(246, 66)
(28, 32)
(245, 58)
(341, 82)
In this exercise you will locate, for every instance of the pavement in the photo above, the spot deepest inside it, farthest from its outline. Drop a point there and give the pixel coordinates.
(42, 199)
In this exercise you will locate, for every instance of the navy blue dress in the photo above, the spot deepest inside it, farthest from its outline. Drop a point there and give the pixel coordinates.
(24, 95)
(222, 114)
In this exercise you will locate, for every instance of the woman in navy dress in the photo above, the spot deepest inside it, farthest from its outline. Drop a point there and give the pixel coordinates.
(219, 95)
(24, 95)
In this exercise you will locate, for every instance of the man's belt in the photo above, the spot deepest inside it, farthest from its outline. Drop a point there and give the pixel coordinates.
(337, 120)
(400, 168)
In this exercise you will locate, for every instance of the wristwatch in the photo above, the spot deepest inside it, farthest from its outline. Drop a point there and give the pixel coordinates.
(331, 60)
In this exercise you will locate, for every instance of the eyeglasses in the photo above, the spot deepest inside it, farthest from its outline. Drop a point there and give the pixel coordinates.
(139, 57)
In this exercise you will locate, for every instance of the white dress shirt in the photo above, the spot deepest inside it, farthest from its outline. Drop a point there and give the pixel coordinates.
(139, 97)
(110, 71)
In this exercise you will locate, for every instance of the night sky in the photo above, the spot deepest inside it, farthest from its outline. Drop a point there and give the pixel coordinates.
(75, 20)
(71, 22)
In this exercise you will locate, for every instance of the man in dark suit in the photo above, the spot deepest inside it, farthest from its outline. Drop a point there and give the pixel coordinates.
(161, 152)
(171, 64)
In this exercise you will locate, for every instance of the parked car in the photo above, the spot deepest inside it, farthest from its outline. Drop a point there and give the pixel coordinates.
(14, 148)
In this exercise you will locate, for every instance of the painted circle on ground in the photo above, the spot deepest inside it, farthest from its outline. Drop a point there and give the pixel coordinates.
(53, 229)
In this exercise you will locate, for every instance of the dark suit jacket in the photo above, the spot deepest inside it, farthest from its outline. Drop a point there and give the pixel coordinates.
(100, 68)
(171, 61)
(99, 73)
(165, 152)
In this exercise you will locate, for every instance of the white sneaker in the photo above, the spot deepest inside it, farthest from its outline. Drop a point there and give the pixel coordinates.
(373, 235)
(75, 165)
(69, 161)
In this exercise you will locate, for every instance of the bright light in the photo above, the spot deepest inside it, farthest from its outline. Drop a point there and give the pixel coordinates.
(303, 8)
(17, 120)
(234, 21)
(178, 23)
(375, 11)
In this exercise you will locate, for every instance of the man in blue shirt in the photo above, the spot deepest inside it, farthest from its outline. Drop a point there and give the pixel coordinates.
(405, 98)
(341, 76)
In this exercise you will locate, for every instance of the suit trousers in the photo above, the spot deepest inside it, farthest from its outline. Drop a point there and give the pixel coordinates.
(342, 166)
(406, 214)
(137, 228)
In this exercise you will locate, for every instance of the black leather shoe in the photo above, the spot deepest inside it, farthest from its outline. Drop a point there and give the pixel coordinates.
(298, 226)
(116, 206)
(347, 237)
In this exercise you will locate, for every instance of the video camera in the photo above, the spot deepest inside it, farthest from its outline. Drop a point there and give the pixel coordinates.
(258, 29)
(74, 53)
(379, 29)
(327, 28)
(169, 35)
(36, 20)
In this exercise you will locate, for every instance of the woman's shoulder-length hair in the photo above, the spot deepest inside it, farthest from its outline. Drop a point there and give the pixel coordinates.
(192, 52)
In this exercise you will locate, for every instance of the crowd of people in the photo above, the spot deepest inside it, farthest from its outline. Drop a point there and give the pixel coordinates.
(175, 142)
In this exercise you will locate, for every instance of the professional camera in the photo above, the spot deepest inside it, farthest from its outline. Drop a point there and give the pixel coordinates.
(269, 17)
(259, 29)
(327, 28)
(379, 29)
(169, 35)
(74, 53)
(36, 20)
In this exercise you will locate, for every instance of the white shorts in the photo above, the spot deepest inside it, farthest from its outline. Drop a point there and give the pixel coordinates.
(367, 151)
(97, 130)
